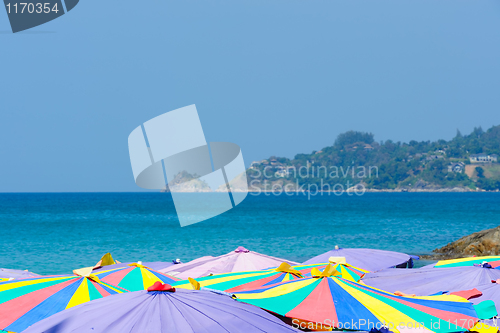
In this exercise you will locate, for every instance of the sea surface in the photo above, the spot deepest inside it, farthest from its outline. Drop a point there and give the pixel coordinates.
(57, 232)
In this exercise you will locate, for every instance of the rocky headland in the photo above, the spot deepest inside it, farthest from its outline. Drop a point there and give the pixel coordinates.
(482, 243)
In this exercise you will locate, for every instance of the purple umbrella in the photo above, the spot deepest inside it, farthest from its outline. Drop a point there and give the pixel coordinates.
(180, 310)
(6, 273)
(368, 259)
(428, 281)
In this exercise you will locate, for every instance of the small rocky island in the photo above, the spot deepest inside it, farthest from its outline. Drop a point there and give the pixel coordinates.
(482, 243)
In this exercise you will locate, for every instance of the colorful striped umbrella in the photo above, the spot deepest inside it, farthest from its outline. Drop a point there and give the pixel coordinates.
(242, 281)
(24, 302)
(163, 309)
(494, 261)
(134, 277)
(239, 281)
(488, 291)
(326, 302)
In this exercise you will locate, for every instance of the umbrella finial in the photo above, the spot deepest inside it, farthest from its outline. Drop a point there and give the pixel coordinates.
(336, 247)
(328, 271)
(337, 260)
(195, 284)
(241, 249)
(287, 268)
(158, 286)
(137, 264)
(84, 272)
(106, 260)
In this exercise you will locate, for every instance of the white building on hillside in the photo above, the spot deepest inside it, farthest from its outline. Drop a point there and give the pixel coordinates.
(483, 158)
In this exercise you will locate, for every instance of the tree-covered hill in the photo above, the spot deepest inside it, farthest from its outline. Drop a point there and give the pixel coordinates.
(356, 158)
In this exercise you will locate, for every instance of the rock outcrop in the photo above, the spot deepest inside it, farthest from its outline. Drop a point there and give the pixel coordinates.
(482, 243)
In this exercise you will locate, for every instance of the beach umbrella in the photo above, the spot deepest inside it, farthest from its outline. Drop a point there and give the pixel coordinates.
(483, 292)
(241, 281)
(428, 281)
(9, 274)
(238, 281)
(239, 260)
(489, 291)
(134, 277)
(326, 301)
(493, 261)
(163, 309)
(26, 301)
(368, 259)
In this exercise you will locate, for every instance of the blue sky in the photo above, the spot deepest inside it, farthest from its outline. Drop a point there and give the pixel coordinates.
(277, 77)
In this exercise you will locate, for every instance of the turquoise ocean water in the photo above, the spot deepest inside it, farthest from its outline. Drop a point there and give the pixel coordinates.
(56, 233)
